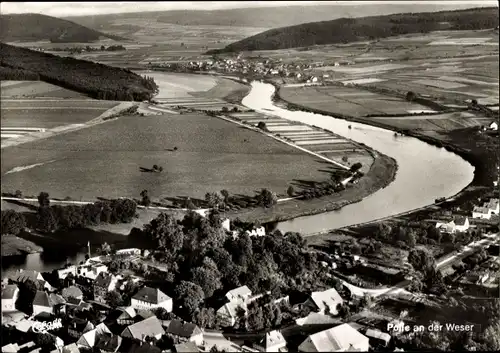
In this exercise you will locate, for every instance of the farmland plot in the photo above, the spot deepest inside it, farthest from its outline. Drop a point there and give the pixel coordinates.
(212, 155)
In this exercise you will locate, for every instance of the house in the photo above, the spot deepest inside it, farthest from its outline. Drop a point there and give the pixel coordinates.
(64, 272)
(9, 297)
(42, 303)
(377, 337)
(257, 232)
(14, 347)
(125, 316)
(150, 327)
(130, 251)
(77, 327)
(108, 343)
(325, 302)
(22, 276)
(272, 342)
(458, 224)
(72, 292)
(186, 331)
(487, 210)
(341, 338)
(151, 298)
(493, 126)
(187, 347)
(103, 284)
(229, 312)
(88, 339)
(70, 348)
(91, 269)
(239, 295)
(314, 79)
(58, 303)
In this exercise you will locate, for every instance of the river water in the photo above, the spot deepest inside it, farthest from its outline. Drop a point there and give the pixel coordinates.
(424, 173)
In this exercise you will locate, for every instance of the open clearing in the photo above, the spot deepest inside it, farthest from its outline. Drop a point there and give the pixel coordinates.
(104, 160)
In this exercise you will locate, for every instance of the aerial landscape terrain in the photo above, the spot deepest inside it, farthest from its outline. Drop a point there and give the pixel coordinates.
(251, 177)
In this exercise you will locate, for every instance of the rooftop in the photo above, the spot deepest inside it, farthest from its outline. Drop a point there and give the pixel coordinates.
(148, 327)
(151, 295)
(9, 291)
(339, 338)
(186, 329)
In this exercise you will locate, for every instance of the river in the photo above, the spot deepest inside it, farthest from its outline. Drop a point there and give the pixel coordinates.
(424, 173)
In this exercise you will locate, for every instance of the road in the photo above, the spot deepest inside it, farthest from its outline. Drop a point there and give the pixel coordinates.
(399, 288)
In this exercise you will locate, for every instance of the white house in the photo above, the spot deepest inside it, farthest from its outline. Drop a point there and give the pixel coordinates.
(88, 339)
(487, 210)
(228, 313)
(186, 331)
(64, 272)
(326, 301)
(493, 126)
(272, 342)
(458, 224)
(92, 269)
(239, 295)
(9, 297)
(151, 298)
(341, 338)
(150, 327)
(257, 232)
(314, 79)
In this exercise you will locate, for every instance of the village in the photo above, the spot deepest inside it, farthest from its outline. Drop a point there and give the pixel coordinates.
(110, 304)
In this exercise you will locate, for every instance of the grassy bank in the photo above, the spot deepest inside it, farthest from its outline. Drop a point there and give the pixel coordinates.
(13, 245)
(381, 173)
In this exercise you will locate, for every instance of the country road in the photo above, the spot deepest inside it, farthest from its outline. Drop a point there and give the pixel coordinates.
(399, 288)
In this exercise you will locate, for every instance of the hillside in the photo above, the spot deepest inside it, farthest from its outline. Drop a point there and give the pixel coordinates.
(258, 17)
(346, 30)
(96, 80)
(36, 27)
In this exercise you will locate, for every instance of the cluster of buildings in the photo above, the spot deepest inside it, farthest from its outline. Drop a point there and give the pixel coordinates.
(256, 66)
(134, 328)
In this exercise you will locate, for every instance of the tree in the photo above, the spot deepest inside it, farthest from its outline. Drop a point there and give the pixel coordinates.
(45, 340)
(189, 295)
(27, 292)
(290, 191)
(355, 167)
(224, 109)
(205, 318)
(19, 194)
(207, 278)
(165, 233)
(213, 199)
(189, 204)
(43, 199)
(146, 201)
(421, 260)
(410, 96)
(262, 125)
(225, 194)
(46, 220)
(267, 198)
(114, 299)
(105, 249)
(12, 222)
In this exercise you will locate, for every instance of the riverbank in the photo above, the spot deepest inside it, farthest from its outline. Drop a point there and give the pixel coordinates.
(15, 246)
(464, 143)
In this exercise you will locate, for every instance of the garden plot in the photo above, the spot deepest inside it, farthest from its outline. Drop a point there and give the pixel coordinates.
(321, 141)
(290, 128)
(367, 69)
(362, 81)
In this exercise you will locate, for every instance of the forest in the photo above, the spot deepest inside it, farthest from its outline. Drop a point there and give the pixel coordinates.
(93, 79)
(345, 30)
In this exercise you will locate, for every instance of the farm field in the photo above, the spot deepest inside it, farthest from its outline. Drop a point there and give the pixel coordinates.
(16, 89)
(48, 114)
(327, 144)
(349, 101)
(212, 155)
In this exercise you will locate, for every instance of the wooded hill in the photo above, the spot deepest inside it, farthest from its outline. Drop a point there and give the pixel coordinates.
(345, 30)
(36, 27)
(96, 80)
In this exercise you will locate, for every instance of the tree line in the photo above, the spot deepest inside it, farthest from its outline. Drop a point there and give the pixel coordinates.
(96, 80)
(51, 218)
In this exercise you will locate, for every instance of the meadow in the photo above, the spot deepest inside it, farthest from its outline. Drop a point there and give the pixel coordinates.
(18, 89)
(105, 160)
(348, 101)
